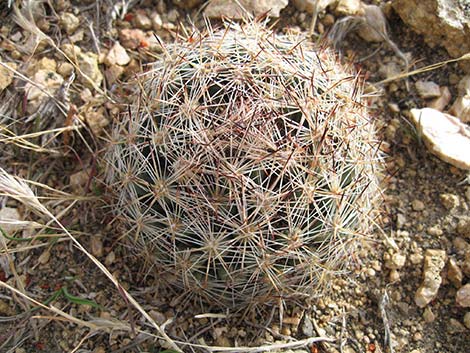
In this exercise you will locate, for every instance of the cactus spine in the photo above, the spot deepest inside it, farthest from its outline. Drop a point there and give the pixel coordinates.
(248, 167)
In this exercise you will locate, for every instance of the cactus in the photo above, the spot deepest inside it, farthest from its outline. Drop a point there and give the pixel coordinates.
(248, 167)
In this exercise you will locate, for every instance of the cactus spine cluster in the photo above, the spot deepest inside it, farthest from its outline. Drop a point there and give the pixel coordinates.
(247, 168)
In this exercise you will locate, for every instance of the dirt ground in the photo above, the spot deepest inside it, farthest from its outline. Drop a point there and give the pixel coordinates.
(370, 309)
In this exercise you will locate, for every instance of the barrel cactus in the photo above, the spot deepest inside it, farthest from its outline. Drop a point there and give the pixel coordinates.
(246, 170)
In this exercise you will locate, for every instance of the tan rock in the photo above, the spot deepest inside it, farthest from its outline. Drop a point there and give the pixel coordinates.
(309, 5)
(348, 7)
(396, 261)
(428, 315)
(6, 75)
(463, 226)
(442, 101)
(374, 28)
(434, 261)
(466, 263)
(131, 38)
(44, 63)
(230, 9)
(157, 21)
(461, 108)
(454, 273)
(6, 309)
(117, 55)
(10, 220)
(69, 22)
(466, 320)
(46, 83)
(462, 298)
(187, 4)
(79, 179)
(113, 73)
(142, 21)
(87, 63)
(464, 86)
(65, 69)
(418, 205)
(96, 245)
(427, 89)
(97, 120)
(441, 22)
(449, 201)
(444, 135)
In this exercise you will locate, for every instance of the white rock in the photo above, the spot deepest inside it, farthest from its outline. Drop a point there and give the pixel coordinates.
(348, 7)
(441, 102)
(462, 298)
(10, 220)
(309, 5)
(231, 9)
(444, 135)
(461, 108)
(117, 55)
(428, 89)
(434, 261)
(6, 76)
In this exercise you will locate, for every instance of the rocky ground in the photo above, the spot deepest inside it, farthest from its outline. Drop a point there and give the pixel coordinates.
(408, 289)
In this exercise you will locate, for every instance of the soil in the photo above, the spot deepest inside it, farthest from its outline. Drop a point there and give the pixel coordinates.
(370, 309)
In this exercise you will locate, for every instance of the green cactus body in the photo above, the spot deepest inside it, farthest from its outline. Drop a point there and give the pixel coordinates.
(248, 168)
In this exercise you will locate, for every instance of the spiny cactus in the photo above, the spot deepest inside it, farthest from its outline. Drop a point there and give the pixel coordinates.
(247, 168)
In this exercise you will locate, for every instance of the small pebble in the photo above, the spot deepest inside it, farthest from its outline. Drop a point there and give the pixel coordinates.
(44, 257)
(110, 258)
(455, 326)
(449, 201)
(462, 298)
(417, 205)
(466, 320)
(65, 69)
(435, 231)
(454, 273)
(434, 261)
(396, 262)
(142, 21)
(96, 245)
(69, 22)
(117, 55)
(428, 89)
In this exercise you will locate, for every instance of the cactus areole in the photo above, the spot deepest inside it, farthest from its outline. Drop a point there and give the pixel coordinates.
(246, 170)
